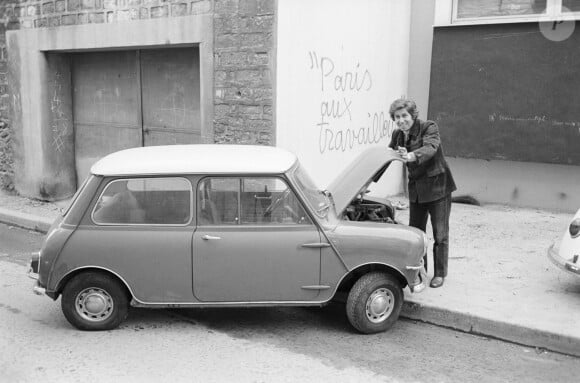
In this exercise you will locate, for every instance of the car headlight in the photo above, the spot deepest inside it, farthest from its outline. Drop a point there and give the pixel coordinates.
(575, 228)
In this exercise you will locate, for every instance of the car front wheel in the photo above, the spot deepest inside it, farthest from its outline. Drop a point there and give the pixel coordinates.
(374, 302)
(94, 301)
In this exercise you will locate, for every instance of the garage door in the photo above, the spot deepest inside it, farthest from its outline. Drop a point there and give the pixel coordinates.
(125, 99)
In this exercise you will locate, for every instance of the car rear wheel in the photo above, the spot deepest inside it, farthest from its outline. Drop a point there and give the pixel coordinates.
(95, 301)
(374, 302)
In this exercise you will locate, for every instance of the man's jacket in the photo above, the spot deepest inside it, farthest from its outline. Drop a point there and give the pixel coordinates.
(430, 178)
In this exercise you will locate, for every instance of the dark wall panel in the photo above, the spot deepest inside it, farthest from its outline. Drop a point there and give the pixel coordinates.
(505, 91)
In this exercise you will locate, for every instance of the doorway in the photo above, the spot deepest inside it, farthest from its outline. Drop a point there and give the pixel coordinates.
(126, 99)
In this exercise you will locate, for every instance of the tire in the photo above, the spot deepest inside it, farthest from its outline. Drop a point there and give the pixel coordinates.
(95, 301)
(383, 295)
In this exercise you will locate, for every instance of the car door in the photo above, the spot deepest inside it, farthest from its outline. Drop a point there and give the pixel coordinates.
(139, 228)
(254, 242)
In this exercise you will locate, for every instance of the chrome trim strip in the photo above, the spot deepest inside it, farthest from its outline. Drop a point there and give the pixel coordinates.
(315, 287)
(137, 303)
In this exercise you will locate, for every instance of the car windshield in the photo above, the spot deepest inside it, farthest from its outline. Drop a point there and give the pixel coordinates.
(315, 197)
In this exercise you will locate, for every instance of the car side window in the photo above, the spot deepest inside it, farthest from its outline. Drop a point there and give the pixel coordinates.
(145, 201)
(248, 201)
(270, 201)
(217, 201)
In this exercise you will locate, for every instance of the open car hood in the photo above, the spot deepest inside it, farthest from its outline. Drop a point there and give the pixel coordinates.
(368, 166)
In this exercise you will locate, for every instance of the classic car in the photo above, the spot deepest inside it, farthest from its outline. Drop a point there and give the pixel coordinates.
(565, 253)
(225, 226)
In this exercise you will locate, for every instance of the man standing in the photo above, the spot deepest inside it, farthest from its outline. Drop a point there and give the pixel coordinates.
(430, 180)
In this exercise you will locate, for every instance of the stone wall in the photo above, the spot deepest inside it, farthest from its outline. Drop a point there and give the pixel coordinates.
(243, 57)
(244, 71)
(8, 20)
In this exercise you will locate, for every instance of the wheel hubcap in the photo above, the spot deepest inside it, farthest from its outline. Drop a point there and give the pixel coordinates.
(380, 305)
(94, 304)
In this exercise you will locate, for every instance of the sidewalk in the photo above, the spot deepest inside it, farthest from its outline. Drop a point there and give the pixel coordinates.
(500, 284)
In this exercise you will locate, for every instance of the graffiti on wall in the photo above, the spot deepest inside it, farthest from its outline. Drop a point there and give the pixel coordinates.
(340, 90)
(60, 122)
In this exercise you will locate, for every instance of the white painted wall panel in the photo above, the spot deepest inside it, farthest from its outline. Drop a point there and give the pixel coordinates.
(340, 63)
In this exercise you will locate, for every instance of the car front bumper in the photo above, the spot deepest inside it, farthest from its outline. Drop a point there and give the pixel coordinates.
(32, 273)
(420, 282)
(564, 264)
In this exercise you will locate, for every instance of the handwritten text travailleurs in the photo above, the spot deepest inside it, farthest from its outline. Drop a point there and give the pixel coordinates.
(339, 90)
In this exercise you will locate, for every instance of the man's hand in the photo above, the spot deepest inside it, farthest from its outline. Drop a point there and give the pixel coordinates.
(409, 157)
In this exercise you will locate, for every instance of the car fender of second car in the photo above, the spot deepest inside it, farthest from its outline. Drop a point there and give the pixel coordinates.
(399, 247)
(565, 253)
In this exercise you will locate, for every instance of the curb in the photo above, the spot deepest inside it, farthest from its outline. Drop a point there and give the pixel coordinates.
(471, 324)
(25, 220)
(456, 320)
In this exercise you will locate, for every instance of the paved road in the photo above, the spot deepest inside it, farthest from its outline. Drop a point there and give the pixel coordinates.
(242, 345)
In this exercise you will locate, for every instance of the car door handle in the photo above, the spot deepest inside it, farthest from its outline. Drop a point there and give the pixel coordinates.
(316, 245)
(208, 237)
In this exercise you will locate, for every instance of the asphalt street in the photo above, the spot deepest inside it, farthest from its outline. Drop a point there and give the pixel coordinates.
(242, 345)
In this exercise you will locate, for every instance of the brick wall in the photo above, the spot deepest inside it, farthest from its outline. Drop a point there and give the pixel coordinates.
(243, 49)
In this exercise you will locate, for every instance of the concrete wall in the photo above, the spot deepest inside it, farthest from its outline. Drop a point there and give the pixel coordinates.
(421, 42)
(528, 184)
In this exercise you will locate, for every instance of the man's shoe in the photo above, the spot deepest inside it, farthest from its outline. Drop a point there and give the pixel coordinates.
(436, 282)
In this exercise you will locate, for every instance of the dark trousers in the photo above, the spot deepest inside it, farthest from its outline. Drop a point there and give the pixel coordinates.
(439, 211)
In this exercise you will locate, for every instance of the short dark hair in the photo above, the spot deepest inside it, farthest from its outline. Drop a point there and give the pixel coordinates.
(403, 103)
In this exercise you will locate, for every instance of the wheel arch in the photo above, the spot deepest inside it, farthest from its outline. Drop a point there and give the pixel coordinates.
(87, 269)
(353, 275)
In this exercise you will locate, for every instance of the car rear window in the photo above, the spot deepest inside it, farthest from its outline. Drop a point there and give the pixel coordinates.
(145, 201)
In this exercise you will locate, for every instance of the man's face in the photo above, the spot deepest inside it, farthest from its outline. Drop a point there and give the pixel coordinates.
(403, 119)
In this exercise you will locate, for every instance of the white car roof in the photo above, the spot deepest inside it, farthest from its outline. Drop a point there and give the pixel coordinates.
(189, 159)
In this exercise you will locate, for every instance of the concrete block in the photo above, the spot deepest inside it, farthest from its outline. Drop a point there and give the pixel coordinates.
(179, 9)
(144, 13)
(40, 23)
(73, 5)
(97, 17)
(60, 6)
(266, 7)
(33, 10)
(69, 20)
(157, 12)
(54, 21)
(225, 7)
(83, 18)
(200, 7)
(48, 8)
(88, 4)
